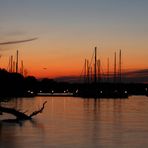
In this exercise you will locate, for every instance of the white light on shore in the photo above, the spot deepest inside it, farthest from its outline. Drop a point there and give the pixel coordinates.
(125, 92)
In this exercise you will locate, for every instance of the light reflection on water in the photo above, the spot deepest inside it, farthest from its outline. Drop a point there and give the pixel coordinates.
(75, 122)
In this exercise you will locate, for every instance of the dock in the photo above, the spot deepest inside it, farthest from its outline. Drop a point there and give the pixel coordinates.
(55, 94)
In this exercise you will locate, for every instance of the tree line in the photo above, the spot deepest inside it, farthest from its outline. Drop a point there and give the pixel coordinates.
(15, 85)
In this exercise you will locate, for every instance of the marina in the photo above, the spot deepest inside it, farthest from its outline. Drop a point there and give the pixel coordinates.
(74, 74)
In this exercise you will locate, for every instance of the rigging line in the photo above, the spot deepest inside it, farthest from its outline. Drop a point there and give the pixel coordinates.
(103, 75)
(91, 59)
(81, 74)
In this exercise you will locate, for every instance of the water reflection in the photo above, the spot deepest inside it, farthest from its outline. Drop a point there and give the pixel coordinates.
(77, 122)
(107, 117)
(13, 135)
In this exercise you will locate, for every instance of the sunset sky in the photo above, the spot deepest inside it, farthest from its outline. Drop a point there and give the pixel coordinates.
(68, 30)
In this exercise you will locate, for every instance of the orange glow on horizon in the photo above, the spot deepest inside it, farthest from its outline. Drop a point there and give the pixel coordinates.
(66, 60)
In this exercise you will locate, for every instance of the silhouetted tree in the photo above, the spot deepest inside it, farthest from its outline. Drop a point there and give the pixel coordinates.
(11, 84)
(47, 85)
(31, 83)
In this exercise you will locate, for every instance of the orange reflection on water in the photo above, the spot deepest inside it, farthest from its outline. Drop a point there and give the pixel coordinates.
(77, 122)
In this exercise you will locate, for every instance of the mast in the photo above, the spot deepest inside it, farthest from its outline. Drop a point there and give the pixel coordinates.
(11, 64)
(88, 71)
(115, 67)
(85, 70)
(17, 61)
(108, 69)
(99, 70)
(120, 71)
(95, 66)
(13, 68)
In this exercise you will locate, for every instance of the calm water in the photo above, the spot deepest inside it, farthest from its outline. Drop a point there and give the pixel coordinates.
(74, 122)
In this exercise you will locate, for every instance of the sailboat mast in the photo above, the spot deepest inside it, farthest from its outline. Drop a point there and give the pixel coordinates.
(95, 66)
(108, 69)
(115, 68)
(17, 61)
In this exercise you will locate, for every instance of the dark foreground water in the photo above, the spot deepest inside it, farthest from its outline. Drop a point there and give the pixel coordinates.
(78, 123)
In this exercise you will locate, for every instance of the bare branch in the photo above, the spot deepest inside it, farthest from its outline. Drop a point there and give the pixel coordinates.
(21, 115)
(38, 111)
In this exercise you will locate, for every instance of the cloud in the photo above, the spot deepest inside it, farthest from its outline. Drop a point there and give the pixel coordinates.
(17, 42)
(137, 76)
(138, 73)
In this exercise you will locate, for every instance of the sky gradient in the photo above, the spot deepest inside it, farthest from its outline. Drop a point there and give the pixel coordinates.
(68, 30)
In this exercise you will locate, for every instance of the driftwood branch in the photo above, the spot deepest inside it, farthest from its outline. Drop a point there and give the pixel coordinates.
(38, 111)
(20, 115)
